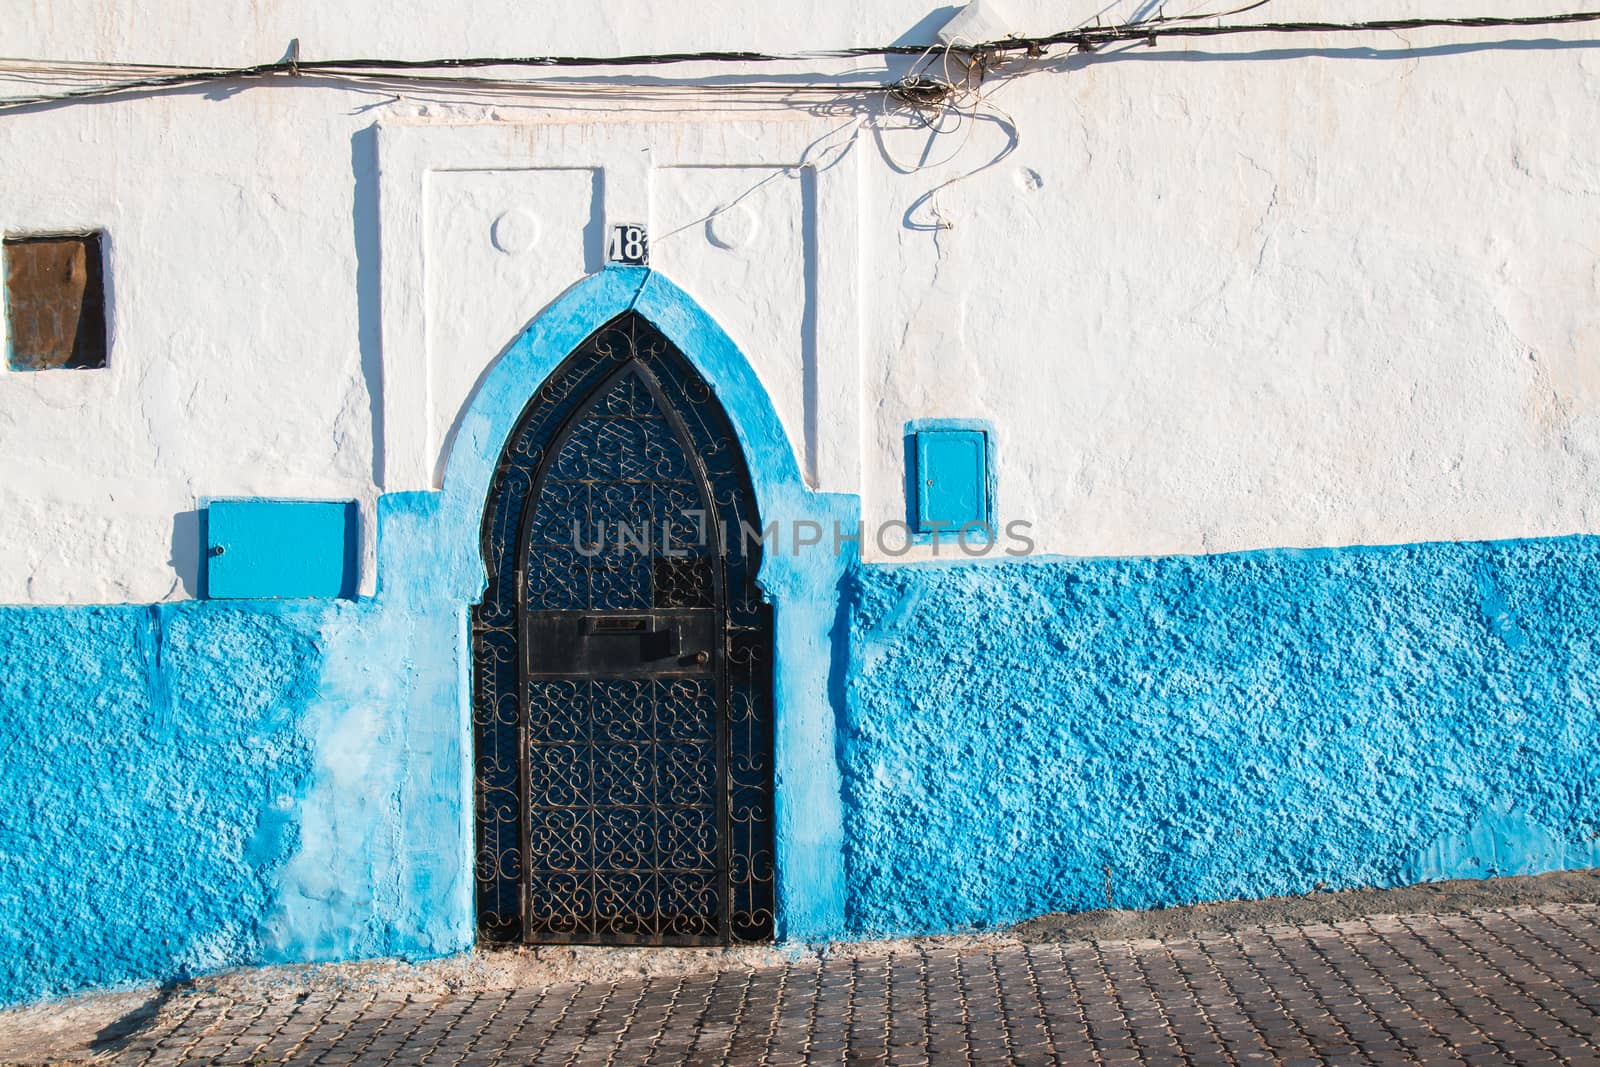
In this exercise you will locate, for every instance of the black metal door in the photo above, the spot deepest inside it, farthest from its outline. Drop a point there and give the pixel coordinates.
(622, 664)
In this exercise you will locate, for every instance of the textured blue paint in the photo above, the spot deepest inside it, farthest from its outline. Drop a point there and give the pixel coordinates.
(209, 784)
(281, 548)
(152, 757)
(383, 866)
(1216, 727)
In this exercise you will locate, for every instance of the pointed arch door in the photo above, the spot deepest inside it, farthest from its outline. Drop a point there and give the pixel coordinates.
(622, 663)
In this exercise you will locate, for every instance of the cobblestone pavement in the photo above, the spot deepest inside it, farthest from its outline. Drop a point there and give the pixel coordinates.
(1509, 985)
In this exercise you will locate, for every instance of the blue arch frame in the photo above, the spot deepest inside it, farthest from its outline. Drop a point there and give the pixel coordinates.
(802, 582)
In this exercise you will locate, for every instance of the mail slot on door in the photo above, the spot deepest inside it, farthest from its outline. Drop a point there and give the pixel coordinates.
(612, 644)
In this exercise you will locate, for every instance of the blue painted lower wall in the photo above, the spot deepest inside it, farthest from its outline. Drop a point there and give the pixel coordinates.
(194, 786)
(151, 758)
(1019, 735)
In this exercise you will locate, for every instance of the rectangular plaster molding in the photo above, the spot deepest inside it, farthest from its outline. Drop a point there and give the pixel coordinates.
(626, 153)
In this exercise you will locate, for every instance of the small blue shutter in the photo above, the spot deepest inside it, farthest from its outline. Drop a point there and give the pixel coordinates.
(952, 478)
(280, 549)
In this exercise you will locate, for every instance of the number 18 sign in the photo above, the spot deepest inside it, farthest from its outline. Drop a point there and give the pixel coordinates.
(628, 244)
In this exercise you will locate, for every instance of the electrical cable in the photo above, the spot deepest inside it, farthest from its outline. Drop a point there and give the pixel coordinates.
(927, 91)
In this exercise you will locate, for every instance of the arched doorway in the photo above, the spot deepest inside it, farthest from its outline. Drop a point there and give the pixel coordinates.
(622, 699)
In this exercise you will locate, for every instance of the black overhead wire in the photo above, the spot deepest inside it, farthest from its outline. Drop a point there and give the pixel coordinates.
(1087, 39)
(1154, 28)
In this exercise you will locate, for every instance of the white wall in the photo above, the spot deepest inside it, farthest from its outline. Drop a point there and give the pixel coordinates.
(1216, 297)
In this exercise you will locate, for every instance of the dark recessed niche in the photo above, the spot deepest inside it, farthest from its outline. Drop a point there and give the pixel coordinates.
(55, 303)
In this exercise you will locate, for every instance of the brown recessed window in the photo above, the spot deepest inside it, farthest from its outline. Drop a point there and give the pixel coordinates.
(55, 303)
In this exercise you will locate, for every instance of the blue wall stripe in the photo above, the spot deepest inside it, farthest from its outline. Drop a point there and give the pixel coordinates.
(1209, 728)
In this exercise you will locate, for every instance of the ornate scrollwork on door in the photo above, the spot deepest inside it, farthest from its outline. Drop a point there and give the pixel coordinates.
(622, 663)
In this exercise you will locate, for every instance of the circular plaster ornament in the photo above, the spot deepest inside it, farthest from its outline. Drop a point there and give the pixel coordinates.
(515, 231)
(733, 227)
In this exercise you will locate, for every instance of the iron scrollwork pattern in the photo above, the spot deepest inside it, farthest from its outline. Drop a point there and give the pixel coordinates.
(629, 807)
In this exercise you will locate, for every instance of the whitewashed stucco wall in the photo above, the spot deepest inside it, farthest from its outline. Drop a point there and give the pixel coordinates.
(1238, 294)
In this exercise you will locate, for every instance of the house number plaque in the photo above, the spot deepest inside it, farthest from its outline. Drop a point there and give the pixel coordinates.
(628, 244)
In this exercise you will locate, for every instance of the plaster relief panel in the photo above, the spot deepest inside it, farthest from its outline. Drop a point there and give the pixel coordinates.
(500, 245)
(741, 240)
(485, 224)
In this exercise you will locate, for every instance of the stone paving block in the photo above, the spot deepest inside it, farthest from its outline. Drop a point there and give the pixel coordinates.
(1507, 986)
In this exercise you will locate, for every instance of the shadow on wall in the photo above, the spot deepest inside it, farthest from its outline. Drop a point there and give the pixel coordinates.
(369, 320)
(927, 28)
(188, 546)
